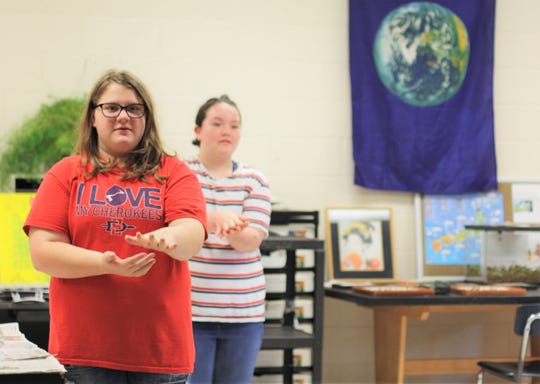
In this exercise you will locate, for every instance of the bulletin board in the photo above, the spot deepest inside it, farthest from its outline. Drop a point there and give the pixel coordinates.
(16, 269)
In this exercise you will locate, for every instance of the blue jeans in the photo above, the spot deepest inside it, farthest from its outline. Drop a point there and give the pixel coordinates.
(226, 352)
(77, 374)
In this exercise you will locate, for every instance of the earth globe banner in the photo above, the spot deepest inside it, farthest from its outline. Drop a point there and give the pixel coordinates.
(422, 95)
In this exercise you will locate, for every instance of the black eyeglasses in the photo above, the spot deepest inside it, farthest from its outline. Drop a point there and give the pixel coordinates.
(134, 111)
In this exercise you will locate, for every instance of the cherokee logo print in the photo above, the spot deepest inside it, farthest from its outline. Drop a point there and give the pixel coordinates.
(117, 203)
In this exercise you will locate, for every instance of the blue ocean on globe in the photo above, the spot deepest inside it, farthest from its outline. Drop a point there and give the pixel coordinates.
(421, 53)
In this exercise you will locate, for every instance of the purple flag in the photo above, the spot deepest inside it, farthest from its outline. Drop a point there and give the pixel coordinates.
(422, 95)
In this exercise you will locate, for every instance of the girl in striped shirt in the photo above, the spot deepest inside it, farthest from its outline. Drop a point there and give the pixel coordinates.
(228, 285)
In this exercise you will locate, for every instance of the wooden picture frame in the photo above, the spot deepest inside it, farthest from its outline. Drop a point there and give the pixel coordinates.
(359, 242)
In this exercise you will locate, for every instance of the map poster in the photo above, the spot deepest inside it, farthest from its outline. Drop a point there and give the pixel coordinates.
(16, 269)
(448, 247)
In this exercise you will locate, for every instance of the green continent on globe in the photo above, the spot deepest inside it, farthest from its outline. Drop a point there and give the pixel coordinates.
(421, 52)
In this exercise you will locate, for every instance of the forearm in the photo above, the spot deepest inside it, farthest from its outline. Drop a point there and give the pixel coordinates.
(187, 235)
(53, 254)
(60, 259)
(246, 240)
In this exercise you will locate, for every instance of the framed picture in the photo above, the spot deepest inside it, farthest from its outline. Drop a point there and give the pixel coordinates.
(521, 200)
(359, 243)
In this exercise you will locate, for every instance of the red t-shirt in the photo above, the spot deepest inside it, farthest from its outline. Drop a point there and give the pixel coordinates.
(136, 324)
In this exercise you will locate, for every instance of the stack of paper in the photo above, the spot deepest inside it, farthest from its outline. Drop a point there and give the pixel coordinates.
(19, 355)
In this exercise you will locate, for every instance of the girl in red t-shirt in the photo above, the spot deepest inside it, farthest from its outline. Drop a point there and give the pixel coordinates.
(114, 226)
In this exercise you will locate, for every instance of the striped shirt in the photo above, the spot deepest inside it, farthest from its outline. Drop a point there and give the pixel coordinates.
(227, 285)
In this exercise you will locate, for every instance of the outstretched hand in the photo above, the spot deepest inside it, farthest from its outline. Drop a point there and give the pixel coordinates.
(133, 266)
(160, 240)
(226, 223)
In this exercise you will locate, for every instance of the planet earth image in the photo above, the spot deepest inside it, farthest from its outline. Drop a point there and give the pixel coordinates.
(421, 53)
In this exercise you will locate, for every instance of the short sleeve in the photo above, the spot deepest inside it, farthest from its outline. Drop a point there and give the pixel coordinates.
(49, 208)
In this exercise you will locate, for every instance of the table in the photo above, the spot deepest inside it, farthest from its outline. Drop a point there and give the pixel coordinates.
(33, 319)
(390, 327)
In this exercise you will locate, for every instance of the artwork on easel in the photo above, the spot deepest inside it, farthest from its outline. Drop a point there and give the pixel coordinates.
(359, 243)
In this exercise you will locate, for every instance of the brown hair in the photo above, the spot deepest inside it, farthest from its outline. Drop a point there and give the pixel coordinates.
(145, 159)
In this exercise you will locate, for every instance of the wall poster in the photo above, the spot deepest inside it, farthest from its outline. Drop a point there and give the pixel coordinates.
(16, 269)
(446, 247)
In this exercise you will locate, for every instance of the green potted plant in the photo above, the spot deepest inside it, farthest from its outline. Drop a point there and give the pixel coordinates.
(40, 141)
